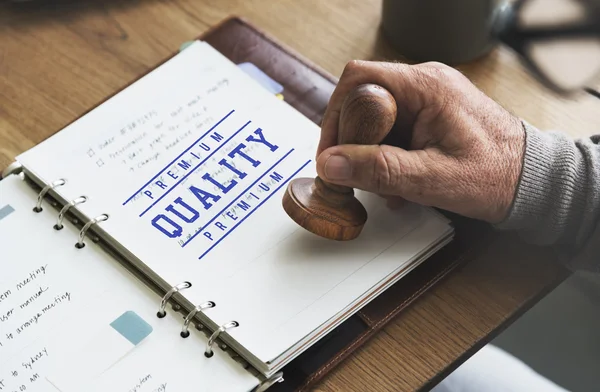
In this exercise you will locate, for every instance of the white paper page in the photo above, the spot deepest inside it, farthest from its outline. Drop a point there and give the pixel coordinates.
(57, 301)
(291, 328)
(207, 208)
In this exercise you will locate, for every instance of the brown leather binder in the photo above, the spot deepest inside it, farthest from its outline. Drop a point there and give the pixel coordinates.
(308, 88)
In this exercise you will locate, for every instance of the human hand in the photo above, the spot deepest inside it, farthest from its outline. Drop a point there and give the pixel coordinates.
(465, 151)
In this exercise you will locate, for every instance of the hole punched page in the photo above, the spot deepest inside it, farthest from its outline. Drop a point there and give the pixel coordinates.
(67, 311)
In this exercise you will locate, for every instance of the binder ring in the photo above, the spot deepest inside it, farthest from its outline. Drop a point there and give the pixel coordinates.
(63, 211)
(211, 341)
(13, 168)
(184, 330)
(163, 303)
(40, 198)
(268, 383)
(100, 218)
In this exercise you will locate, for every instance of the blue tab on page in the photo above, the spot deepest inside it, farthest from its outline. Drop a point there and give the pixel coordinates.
(254, 72)
(265, 80)
(132, 327)
(6, 211)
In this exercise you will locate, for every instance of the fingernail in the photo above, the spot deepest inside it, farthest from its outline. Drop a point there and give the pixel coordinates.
(338, 167)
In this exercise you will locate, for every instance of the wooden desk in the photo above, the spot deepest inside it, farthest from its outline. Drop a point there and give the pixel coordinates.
(55, 64)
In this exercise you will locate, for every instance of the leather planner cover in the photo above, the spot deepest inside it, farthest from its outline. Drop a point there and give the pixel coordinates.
(308, 88)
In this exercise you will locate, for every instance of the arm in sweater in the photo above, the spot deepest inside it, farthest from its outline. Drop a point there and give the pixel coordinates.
(557, 201)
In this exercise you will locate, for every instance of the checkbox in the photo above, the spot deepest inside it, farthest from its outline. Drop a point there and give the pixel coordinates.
(100, 162)
(91, 153)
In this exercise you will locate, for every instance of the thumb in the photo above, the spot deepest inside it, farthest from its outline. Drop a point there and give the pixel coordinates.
(380, 169)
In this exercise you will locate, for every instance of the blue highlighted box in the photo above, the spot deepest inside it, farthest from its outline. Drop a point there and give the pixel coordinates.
(132, 327)
(6, 211)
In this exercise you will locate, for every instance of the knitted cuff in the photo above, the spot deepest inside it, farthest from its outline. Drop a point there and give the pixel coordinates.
(548, 196)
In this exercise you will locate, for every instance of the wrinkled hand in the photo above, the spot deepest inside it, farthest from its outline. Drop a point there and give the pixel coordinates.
(465, 153)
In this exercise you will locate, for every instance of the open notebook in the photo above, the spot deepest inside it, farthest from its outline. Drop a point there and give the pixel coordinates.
(182, 175)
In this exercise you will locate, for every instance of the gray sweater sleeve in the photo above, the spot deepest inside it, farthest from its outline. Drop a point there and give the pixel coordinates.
(557, 202)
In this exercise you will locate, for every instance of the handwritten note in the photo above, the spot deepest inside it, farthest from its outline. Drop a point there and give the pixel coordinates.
(146, 137)
(30, 302)
(33, 303)
(148, 383)
(26, 374)
(47, 288)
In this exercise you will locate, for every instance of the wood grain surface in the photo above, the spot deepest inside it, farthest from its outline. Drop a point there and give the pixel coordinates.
(57, 60)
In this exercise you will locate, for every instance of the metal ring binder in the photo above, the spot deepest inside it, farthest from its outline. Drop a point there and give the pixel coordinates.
(163, 303)
(100, 218)
(211, 341)
(63, 211)
(268, 383)
(38, 206)
(13, 168)
(184, 330)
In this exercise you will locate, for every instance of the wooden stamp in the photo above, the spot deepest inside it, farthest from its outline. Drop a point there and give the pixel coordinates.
(332, 211)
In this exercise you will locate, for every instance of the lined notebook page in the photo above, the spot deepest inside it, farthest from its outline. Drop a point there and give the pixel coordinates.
(191, 162)
(66, 313)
